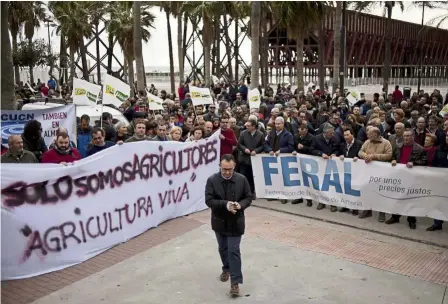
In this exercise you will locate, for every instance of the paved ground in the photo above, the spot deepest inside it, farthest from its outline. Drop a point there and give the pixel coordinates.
(438, 238)
(286, 258)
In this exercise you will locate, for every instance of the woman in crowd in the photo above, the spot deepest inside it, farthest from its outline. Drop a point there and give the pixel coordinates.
(198, 133)
(122, 132)
(175, 134)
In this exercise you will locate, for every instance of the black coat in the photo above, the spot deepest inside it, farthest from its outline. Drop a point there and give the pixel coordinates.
(223, 221)
(354, 149)
(307, 142)
(253, 143)
(321, 147)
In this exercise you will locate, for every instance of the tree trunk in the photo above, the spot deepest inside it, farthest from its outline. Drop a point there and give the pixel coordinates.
(170, 52)
(125, 70)
(337, 45)
(72, 64)
(228, 48)
(321, 56)
(110, 51)
(83, 51)
(255, 39)
(8, 102)
(387, 43)
(63, 60)
(299, 63)
(217, 29)
(207, 39)
(31, 67)
(131, 76)
(266, 53)
(138, 52)
(180, 53)
(98, 58)
(14, 50)
(213, 72)
(184, 42)
(236, 49)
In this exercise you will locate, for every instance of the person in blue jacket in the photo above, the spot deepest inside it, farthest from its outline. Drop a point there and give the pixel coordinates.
(84, 135)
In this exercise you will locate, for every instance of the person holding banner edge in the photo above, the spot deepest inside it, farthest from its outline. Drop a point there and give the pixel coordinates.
(228, 194)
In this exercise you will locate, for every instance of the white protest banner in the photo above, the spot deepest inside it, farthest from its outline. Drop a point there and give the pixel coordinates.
(419, 191)
(154, 102)
(85, 93)
(200, 96)
(253, 96)
(444, 111)
(13, 122)
(115, 91)
(353, 97)
(64, 215)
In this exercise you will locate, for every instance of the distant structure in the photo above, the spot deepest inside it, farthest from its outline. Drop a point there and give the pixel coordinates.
(365, 49)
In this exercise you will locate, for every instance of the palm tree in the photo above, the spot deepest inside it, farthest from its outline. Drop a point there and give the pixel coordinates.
(34, 14)
(298, 18)
(167, 6)
(255, 40)
(138, 52)
(121, 26)
(388, 6)
(7, 66)
(15, 22)
(337, 23)
(71, 19)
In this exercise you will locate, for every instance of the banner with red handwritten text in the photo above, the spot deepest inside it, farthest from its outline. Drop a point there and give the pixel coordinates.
(64, 215)
(51, 119)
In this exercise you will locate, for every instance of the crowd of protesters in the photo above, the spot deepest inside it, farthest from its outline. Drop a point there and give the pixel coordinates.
(387, 128)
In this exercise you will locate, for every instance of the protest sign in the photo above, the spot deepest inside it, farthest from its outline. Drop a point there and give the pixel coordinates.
(254, 98)
(13, 122)
(64, 215)
(115, 91)
(444, 111)
(85, 93)
(154, 102)
(418, 191)
(353, 97)
(200, 96)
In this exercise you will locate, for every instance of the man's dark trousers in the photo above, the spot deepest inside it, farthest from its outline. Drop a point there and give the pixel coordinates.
(229, 250)
(246, 170)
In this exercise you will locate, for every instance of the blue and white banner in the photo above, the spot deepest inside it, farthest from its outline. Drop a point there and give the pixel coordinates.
(13, 122)
(418, 191)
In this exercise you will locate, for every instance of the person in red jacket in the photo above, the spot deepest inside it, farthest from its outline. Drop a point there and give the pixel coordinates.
(228, 138)
(62, 153)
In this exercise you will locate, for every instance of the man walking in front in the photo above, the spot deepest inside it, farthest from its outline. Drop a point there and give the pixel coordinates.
(228, 194)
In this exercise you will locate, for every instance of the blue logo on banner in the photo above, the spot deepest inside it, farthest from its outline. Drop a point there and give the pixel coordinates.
(340, 182)
(11, 128)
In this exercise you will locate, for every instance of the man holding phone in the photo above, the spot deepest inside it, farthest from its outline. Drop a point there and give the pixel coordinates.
(228, 194)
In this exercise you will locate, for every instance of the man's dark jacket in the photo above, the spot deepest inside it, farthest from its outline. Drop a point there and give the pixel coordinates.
(306, 141)
(322, 147)
(253, 143)
(418, 155)
(285, 142)
(217, 196)
(354, 149)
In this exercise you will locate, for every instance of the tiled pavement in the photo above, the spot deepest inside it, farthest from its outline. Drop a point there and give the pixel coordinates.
(410, 259)
(29, 290)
